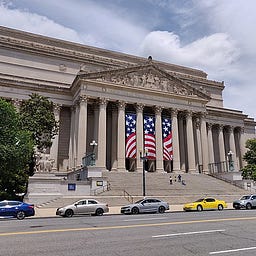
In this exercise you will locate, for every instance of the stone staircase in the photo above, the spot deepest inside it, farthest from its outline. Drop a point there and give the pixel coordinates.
(158, 185)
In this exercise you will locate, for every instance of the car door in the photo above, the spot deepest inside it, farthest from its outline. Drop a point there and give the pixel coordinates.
(254, 200)
(92, 206)
(13, 208)
(80, 207)
(210, 203)
(3, 208)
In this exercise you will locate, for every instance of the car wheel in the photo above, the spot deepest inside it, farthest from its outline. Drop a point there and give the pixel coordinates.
(161, 209)
(20, 215)
(69, 213)
(220, 207)
(99, 212)
(199, 208)
(248, 206)
(135, 210)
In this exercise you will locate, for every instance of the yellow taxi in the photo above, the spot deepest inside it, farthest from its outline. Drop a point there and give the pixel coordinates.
(207, 203)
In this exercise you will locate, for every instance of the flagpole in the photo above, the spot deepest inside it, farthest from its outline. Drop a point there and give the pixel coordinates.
(144, 159)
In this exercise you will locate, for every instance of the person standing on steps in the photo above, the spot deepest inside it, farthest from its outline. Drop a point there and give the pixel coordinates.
(170, 180)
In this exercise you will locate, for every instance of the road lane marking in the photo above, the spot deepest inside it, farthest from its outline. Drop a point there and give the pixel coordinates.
(190, 233)
(161, 218)
(120, 227)
(233, 250)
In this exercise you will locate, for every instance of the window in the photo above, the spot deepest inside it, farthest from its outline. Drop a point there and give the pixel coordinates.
(92, 202)
(210, 200)
(13, 203)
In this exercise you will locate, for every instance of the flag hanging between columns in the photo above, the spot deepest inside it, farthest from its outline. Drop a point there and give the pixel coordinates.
(167, 139)
(149, 137)
(130, 137)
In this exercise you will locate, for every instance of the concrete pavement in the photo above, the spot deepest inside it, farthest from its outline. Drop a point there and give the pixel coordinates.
(51, 212)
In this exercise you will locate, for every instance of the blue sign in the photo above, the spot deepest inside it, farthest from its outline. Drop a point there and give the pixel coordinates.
(72, 186)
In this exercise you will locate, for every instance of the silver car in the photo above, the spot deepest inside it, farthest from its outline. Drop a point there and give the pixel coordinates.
(146, 205)
(84, 206)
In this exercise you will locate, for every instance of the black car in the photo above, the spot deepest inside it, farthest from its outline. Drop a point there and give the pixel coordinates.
(16, 209)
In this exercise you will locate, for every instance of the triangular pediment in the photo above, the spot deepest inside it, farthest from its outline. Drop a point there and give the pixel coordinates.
(147, 76)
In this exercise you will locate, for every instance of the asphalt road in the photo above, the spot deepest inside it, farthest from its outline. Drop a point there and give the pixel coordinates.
(229, 232)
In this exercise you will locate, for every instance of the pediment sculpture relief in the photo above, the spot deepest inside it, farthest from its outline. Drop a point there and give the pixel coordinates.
(147, 80)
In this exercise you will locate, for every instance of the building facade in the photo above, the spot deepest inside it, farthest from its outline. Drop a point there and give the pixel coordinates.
(95, 90)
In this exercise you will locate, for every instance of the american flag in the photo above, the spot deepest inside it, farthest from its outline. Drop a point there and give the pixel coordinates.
(167, 139)
(130, 130)
(149, 136)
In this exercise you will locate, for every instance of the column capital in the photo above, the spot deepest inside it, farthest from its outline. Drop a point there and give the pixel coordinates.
(139, 107)
(197, 122)
(230, 129)
(103, 101)
(188, 114)
(158, 110)
(121, 104)
(220, 127)
(174, 112)
(209, 126)
(83, 99)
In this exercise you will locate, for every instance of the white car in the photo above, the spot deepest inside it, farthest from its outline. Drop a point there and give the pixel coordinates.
(146, 205)
(84, 206)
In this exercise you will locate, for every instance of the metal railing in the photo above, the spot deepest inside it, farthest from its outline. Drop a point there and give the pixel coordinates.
(218, 167)
(128, 197)
(102, 189)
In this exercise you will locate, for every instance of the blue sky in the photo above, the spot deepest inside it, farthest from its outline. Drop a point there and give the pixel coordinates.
(216, 36)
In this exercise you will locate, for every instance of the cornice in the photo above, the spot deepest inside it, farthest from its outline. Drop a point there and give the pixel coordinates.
(24, 41)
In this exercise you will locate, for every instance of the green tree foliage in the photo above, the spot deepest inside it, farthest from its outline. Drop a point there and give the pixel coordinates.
(16, 148)
(249, 171)
(37, 115)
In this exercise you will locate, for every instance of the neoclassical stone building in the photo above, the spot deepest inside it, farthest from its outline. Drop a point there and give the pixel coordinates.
(95, 89)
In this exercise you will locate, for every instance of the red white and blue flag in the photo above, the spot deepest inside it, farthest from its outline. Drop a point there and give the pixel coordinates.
(149, 137)
(130, 135)
(167, 139)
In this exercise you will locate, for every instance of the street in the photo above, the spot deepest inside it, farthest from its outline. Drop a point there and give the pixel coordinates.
(228, 232)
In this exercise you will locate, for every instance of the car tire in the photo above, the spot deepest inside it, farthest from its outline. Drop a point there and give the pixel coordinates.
(220, 207)
(99, 212)
(161, 209)
(69, 213)
(248, 206)
(20, 215)
(135, 210)
(199, 208)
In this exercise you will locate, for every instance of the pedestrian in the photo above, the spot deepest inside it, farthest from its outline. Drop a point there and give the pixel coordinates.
(179, 178)
(170, 180)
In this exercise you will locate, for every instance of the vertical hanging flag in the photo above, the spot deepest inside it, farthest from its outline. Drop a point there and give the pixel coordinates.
(149, 136)
(130, 135)
(167, 139)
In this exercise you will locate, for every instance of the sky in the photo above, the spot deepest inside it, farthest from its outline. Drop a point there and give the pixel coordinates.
(215, 36)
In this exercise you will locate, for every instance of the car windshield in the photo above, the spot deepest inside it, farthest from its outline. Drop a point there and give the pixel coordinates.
(245, 197)
(138, 202)
(199, 200)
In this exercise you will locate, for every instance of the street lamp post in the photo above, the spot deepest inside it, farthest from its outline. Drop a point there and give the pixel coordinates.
(144, 159)
(230, 161)
(93, 144)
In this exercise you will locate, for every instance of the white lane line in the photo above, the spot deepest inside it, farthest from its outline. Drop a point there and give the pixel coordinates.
(190, 233)
(161, 218)
(234, 250)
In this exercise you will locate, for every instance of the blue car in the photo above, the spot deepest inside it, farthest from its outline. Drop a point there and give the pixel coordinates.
(16, 209)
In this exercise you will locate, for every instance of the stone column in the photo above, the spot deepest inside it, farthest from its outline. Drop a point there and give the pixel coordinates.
(121, 137)
(139, 136)
(204, 144)
(242, 147)
(82, 130)
(190, 142)
(114, 140)
(55, 141)
(71, 138)
(210, 144)
(75, 142)
(159, 140)
(102, 132)
(182, 142)
(232, 146)
(221, 145)
(175, 140)
(199, 142)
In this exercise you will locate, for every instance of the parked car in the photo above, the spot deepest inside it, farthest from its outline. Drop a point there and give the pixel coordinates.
(16, 209)
(84, 206)
(207, 203)
(247, 202)
(146, 205)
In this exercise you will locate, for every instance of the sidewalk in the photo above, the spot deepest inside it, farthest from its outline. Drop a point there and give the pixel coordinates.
(51, 212)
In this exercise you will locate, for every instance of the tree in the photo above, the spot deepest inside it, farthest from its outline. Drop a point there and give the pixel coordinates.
(249, 171)
(16, 147)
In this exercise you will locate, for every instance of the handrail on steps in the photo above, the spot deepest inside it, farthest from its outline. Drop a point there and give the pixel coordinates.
(102, 189)
(128, 197)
